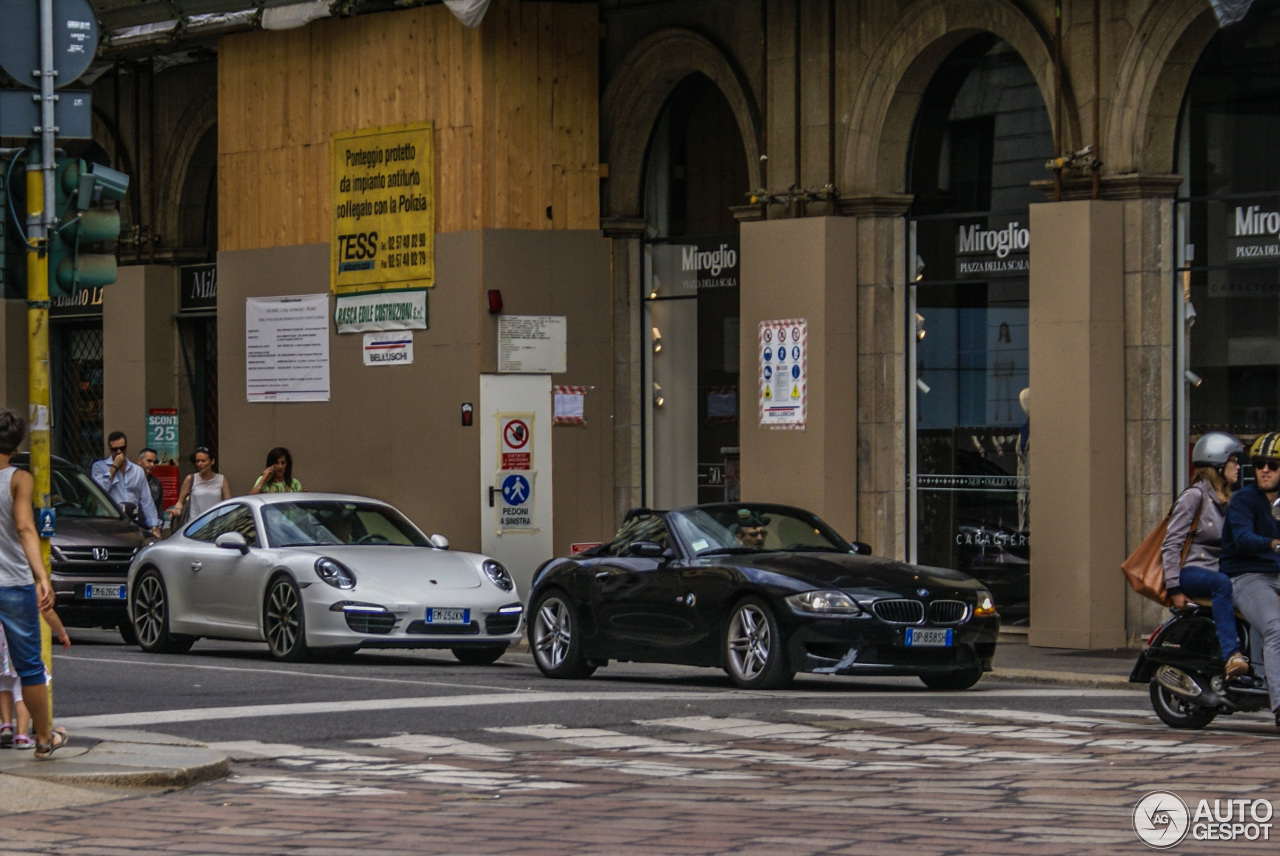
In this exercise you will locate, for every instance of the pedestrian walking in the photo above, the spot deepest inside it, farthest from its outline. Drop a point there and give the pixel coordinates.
(278, 476)
(125, 481)
(24, 584)
(203, 489)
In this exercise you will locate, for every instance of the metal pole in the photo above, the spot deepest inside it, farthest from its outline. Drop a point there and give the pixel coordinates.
(41, 219)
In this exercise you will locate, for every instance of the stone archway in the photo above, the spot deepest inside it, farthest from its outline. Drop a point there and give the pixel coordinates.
(888, 95)
(635, 97)
(1150, 83)
(199, 119)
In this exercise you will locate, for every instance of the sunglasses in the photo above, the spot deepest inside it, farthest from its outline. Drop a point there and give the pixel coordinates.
(1272, 464)
(204, 449)
(115, 449)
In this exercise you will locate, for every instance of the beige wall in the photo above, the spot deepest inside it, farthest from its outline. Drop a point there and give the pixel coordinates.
(139, 350)
(804, 269)
(1077, 452)
(395, 432)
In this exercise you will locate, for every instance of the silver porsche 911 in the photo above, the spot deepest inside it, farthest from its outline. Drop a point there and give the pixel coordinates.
(309, 572)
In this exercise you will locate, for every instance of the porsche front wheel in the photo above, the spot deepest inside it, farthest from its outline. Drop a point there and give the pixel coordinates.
(283, 621)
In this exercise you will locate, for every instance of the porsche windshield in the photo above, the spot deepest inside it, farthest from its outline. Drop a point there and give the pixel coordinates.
(737, 528)
(324, 523)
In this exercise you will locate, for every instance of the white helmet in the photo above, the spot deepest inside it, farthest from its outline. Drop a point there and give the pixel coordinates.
(1215, 449)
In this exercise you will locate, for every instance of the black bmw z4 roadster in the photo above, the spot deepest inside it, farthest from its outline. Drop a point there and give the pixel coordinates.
(762, 591)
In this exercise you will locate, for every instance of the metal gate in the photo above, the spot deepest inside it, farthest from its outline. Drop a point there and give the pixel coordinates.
(76, 354)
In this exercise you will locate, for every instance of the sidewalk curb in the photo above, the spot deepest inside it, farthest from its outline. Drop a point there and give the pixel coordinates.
(1076, 679)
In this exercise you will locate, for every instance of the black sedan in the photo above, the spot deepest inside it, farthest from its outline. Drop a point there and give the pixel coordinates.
(762, 591)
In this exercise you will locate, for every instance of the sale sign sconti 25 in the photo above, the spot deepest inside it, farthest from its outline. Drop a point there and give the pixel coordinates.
(383, 208)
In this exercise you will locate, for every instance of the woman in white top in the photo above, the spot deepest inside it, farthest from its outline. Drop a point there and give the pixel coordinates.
(204, 488)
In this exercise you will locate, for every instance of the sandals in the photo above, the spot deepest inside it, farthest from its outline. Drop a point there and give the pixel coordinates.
(22, 741)
(60, 738)
(6, 735)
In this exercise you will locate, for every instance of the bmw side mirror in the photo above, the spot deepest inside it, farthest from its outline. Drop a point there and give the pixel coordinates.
(649, 550)
(439, 541)
(862, 548)
(232, 541)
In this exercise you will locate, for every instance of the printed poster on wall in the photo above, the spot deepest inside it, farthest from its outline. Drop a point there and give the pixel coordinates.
(784, 365)
(383, 208)
(287, 348)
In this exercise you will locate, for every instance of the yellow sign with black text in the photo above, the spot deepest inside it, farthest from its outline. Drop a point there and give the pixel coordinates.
(383, 209)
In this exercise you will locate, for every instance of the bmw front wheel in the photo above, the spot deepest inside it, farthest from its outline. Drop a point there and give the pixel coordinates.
(555, 639)
(755, 655)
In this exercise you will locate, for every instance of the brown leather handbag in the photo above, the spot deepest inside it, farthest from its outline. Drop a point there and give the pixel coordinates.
(1144, 569)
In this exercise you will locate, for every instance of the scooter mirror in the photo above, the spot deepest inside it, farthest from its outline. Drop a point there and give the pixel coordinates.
(1275, 509)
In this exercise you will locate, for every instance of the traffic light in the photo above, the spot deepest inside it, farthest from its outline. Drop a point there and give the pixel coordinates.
(83, 197)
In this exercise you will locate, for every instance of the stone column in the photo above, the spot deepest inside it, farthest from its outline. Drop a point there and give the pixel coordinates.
(628, 415)
(882, 378)
(1077, 451)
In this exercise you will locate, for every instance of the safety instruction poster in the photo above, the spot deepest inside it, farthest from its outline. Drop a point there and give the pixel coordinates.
(383, 208)
(784, 366)
(287, 348)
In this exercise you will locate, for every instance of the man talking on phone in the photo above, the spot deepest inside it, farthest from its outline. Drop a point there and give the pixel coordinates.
(125, 481)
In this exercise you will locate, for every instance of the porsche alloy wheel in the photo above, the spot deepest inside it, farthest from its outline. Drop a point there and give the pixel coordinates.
(283, 621)
(553, 636)
(149, 613)
(754, 652)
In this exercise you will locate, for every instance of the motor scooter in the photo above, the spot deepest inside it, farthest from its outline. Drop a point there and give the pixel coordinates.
(1183, 666)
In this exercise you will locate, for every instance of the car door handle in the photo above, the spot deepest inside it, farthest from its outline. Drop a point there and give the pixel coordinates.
(195, 566)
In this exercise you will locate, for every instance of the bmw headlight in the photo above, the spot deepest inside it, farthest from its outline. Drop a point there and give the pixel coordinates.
(498, 575)
(985, 605)
(335, 573)
(824, 603)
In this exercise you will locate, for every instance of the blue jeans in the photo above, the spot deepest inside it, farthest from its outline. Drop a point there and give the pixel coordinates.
(1201, 582)
(20, 616)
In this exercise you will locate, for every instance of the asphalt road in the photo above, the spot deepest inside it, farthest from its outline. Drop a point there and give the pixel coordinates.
(228, 690)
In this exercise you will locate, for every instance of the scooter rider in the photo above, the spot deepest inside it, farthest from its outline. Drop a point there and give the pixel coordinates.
(1251, 555)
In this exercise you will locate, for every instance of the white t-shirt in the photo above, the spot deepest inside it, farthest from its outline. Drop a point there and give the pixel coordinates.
(205, 494)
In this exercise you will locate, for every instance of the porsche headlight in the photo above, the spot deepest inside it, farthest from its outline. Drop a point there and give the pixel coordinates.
(824, 603)
(985, 605)
(335, 573)
(498, 575)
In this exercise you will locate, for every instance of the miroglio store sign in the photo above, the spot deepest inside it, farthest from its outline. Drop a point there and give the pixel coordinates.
(982, 251)
(1256, 235)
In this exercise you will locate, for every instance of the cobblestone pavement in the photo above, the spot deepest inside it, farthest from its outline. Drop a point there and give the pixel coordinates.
(944, 779)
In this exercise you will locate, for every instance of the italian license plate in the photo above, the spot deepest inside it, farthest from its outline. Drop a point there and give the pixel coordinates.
(937, 637)
(93, 592)
(448, 616)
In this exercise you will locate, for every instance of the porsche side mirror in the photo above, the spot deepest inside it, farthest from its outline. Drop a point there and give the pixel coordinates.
(862, 548)
(649, 550)
(439, 541)
(232, 541)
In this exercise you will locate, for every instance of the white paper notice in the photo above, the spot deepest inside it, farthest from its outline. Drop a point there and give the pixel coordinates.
(287, 348)
(532, 344)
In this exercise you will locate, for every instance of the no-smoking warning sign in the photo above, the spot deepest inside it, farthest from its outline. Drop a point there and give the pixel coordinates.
(517, 441)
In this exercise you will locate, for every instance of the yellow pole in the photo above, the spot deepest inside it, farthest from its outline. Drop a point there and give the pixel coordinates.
(38, 366)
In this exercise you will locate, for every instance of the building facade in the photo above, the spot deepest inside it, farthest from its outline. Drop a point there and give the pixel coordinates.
(944, 205)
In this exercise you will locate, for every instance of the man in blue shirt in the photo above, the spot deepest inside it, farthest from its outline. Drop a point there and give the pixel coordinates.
(1251, 555)
(125, 481)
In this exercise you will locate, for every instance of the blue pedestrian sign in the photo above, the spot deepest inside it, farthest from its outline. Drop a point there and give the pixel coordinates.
(515, 490)
(47, 522)
(515, 509)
